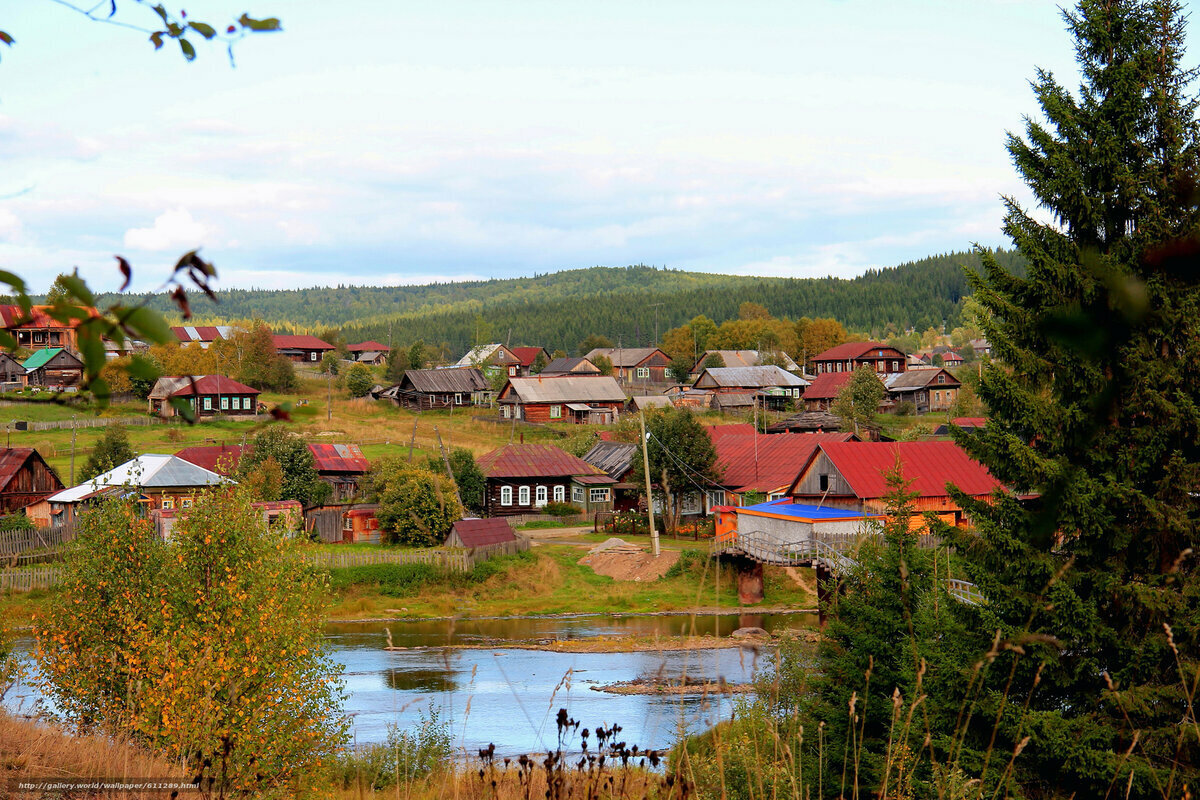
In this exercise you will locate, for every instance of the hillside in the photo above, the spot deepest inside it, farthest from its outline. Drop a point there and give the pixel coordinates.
(559, 309)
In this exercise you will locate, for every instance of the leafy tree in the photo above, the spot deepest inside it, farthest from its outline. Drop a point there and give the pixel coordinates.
(858, 401)
(539, 362)
(1092, 588)
(681, 368)
(110, 451)
(472, 485)
(559, 354)
(749, 310)
(330, 364)
(592, 342)
(300, 480)
(359, 380)
(397, 364)
(265, 483)
(682, 458)
(604, 364)
(416, 506)
(815, 336)
(713, 361)
(59, 292)
(207, 647)
(417, 355)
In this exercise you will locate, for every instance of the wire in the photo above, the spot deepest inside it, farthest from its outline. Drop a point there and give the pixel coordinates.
(685, 466)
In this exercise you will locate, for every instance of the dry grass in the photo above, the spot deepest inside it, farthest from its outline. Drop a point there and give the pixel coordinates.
(33, 751)
(466, 784)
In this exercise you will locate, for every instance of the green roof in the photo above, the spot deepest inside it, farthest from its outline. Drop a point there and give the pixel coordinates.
(40, 358)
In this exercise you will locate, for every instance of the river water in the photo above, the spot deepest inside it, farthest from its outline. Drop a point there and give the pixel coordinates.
(496, 692)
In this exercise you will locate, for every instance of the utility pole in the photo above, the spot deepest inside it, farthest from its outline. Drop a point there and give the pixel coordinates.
(72, 449)
(449, 473)
(649, 496)
(656, 307)
(329, 398)
(413, 441)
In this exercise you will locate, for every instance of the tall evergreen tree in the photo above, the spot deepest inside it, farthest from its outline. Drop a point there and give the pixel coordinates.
(1096, 411)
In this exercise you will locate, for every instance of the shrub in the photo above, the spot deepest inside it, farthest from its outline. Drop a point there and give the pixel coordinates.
(406, 755)
(359, 380)
(906, 409)
(416, 506)
(556, 509)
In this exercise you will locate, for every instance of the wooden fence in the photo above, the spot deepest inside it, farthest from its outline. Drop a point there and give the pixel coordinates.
(444, 557)
(16, 542)
(27, 579)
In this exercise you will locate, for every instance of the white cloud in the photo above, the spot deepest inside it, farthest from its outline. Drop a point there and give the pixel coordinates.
(172, 229)
(10, 226)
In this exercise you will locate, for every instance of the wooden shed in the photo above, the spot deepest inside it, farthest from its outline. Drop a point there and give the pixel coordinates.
(472, 533)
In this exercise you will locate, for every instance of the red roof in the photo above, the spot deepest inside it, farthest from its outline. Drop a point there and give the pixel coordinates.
(339, 458)
(950, 355)
(365, 347)
(533, 461)
(219, 458)
(204, 333)
(526, 355)
(776, 462)
(850, 350)
(213, 384)
(716, 432)
(929, 465)
(480, 532)
(969, 422)
(12, 459)
(10, 315)
(827, 385)
(292, 341)
(278, 505)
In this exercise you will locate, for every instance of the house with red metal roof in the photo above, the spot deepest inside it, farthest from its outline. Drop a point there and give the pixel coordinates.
(825, 388)
(222, 459)
(852, 475)
(301, 348)
(472, 533)
(761, 464)
(204, 335)
(369, 352)
(208, 395)
(342, 466)
(928, 389)
(36, 329)
(525, 358)
(848, 357)
(523, 478)
(25, 478)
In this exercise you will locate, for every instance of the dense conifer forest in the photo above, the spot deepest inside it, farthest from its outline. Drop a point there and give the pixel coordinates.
(559, 309)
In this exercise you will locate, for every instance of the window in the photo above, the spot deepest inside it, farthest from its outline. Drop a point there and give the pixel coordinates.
(555, 412)
(716, 498)
(505, 412)
(541, 496)
(347, 524)
(235, 403)
(208, 404)
(312, 356)
(224, 403)
(577, 494)
(185, 502)
(506, 495)
(938, 396)
(839, 366)
(560, 494)
(941, 378)
(643, 372)
(458, 399)
(168, 503)
(598, 496)
(895, 366)
(512, 370)
(824, 483)
(523, 496)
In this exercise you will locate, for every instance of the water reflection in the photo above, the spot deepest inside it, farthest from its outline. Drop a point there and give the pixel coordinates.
(419, 680)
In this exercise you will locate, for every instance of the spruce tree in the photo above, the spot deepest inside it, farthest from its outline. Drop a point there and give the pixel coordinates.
(1094, 413)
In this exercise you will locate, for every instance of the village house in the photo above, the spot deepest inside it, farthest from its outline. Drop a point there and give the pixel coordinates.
(301, 348)
(493, 359)
(761, 465)
(852, 355)
(160, 481)
(371, 352)
(779, 523)
(620, 461)
(285, 515)
(428, 389)
(53, 367)
(204, 335)
(526, 356)
(852, 475)
(38, 330)
(342, 466)
(649, 401)
(523, 478)
(12, 374)
(222, 459)
(208, 396)
(744, 358)
(775, 388)
(473, 533)
(824, 390)
(634, 364)
(360, 525)
(982, 347)
(952, 359)
(25, 478)
(929, 389)
(569, 366)
(807, 422)
(581, 400)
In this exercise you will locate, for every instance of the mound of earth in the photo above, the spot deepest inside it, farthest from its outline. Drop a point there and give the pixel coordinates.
(630, 564)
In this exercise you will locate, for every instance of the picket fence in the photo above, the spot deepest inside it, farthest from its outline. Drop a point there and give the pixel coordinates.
(27, 579)
(17, 542)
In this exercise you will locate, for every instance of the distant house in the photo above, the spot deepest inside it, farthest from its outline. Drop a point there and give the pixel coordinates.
(301, 348)
(968, 424)
(807, 422)
(37, 330)
(569, 366)
(848, 357)
(929, 389)
(744, 358)
(763, 465)
(852, 475)
(634, 364)
(204, 335)
(777, 388)
(370, 352)
(824, 390)
(734, 402)
(493, 359)
(283, 514)
(342, 466)
(525, 358)
(12, 374)
(952, 359)
(427, 389)
(472, 533)
(360, 525)
(25, 478)
(222, 459)
(982, 347)
(620, 461)
(53, 367)
(208, 395)
(523, 478)
(582, 400)
(649, 401)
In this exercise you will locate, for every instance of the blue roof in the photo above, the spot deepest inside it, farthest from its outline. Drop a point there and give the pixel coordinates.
(806, 511)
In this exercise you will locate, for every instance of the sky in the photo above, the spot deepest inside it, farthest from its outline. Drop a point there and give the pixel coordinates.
(386, 142)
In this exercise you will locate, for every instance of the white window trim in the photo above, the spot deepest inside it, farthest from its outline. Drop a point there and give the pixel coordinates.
(168, 503)
(523, 496)
(577, 494)
(716, 497)
(560, 494)
(598, 496)
(542, 496)
(224, 403)
(506, 495)
(643, 372)
(555, 412)
(185, 502)
(457, 399)
(312, 356)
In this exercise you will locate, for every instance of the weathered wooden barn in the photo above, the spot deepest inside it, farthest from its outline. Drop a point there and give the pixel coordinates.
(428, 389)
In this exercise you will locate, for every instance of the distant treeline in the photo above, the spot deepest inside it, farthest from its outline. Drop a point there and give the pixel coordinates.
(558, 310)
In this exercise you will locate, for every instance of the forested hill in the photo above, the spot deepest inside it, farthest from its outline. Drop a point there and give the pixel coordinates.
(560, 309)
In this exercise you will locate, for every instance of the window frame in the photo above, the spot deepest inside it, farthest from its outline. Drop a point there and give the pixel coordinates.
(578, 495)
(224, 402)
(506, 495)
(207, 403)
(168, 504)
(598, 495)
(541, 495)
(555, 412)
(523, 496)
(643, 372)
(560, 494)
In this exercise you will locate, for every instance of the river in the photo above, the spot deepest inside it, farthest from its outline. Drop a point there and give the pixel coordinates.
(497, 692)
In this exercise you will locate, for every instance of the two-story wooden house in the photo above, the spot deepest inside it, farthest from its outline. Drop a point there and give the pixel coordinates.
(38, 330)
(633, 365)
(25, 478)
(928, 389)
(526, 357)
(771, 386)
(848, 357)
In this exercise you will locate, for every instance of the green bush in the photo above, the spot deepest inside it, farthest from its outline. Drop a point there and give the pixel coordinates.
(556, 509)
(406, 755)
(393, 580)
(690, 562)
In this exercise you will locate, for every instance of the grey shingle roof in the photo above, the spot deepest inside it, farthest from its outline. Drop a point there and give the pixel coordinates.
(615, 458)
(749, 377)
(564, 389)
(457, 379)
